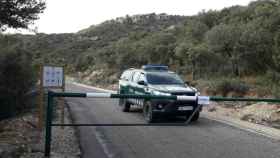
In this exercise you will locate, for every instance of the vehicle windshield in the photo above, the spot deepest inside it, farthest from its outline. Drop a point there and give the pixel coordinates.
(164, 78)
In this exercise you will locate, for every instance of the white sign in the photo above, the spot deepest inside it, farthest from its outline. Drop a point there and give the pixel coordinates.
(52, 76)
(203, 100)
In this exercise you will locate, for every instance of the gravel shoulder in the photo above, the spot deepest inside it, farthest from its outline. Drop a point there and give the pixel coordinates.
(19, 138)
(261, 113)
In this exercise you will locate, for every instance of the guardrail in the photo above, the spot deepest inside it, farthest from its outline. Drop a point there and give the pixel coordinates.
(200, 100)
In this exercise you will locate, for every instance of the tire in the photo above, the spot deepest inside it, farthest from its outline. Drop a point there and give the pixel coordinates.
(194, 118)
(124, 104)
(148, 113)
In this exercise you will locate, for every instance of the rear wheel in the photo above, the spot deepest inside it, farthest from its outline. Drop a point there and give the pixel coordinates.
(149, 115)
(124, 104)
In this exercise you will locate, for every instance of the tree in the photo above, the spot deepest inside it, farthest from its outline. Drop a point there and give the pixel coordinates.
(210, 18)
(14, 98)
(276, 52)
(195, 30)
(19, 13)
(222, 39)
(254, 49)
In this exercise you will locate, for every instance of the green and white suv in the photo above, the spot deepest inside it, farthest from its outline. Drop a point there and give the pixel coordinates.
(157, 80)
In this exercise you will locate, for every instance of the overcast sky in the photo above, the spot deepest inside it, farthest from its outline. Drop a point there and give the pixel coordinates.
(63, 16)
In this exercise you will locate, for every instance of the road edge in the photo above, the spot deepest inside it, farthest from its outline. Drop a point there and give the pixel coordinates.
(243, 125)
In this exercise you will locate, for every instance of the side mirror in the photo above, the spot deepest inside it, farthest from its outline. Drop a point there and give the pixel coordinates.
(141, 83)
(187, 82)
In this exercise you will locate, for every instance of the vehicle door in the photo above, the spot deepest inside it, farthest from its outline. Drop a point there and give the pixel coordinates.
(124, 82)
(133, 85)
(141, 84)
(140, 88)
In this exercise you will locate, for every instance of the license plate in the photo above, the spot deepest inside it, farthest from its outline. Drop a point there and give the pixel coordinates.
(185, 108)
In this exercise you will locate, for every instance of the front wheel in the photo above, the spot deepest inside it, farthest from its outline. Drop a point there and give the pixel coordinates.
(124, 104)
(149, 115)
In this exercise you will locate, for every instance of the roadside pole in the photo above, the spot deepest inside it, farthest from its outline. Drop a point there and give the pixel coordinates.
(51, 77)
(48, 124)
(62, 102)
(41, 100)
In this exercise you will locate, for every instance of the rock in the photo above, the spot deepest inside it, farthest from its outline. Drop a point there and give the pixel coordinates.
(246, 117)
(33, 155)
(260, 113)
(37, 148)
(9, 151)
(212, 109)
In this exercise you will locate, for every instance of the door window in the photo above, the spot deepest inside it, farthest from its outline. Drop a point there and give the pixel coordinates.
(142, 77)
(136, 76)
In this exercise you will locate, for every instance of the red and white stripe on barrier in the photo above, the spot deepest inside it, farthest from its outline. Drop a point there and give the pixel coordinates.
(201, 99)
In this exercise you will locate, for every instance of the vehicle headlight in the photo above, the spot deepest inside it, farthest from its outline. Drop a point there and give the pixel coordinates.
(194, 89)
(161, 93)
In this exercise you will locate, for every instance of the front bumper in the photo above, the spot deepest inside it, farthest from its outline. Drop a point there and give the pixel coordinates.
(169, 107)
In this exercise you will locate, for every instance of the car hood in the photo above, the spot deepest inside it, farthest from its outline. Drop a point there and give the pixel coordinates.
(171, 88)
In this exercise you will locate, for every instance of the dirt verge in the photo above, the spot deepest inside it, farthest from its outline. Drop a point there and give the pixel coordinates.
(19, 138)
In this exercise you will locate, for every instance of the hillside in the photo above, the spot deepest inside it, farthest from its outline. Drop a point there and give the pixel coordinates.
(234, 47)
(72, 49)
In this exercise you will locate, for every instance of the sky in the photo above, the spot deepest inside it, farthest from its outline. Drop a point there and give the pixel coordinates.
(66, 16)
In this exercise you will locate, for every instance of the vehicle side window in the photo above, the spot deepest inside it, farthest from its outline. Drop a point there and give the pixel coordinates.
(128, 75)
(131, 76)
(136, 76)
(142, 77)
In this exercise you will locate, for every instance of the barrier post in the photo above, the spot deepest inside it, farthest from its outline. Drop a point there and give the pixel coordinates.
(48, 124)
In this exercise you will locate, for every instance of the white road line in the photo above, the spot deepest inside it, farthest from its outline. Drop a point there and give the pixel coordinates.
(100, 138)
(94, 88)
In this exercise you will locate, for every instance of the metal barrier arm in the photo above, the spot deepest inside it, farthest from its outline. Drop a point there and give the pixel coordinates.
(114, 95)
(170, 97)
(200, 100)
(217, 98)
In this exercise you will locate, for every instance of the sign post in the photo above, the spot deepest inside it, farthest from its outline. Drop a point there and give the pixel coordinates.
(41, 101)
(50, 77)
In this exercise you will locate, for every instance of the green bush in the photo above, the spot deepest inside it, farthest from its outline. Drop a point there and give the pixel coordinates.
(227, 85)
(16, 80)
(268, 84)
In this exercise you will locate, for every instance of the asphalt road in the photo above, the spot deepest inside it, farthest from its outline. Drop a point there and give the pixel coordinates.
(204, 139)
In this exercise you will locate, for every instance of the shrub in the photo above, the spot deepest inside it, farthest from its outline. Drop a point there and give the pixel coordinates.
(226, 85)
(16, 79)
(269, 84)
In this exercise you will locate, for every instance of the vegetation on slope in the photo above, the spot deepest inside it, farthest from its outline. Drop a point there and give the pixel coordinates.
(240, 42)
(16, 72)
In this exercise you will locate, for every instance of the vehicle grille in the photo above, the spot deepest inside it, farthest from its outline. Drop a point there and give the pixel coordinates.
(184, 93)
